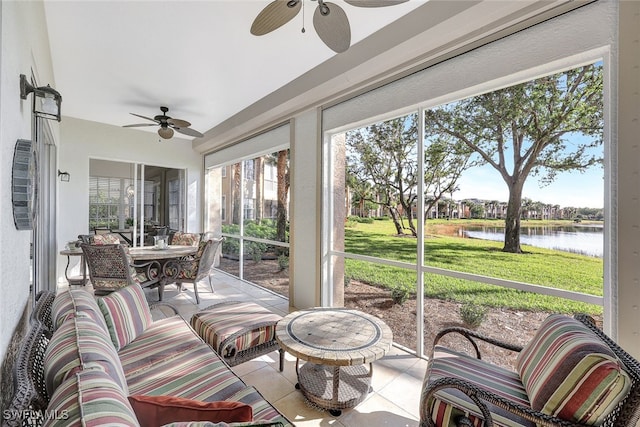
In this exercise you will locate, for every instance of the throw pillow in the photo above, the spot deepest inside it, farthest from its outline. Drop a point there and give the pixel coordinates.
(569, 373)
(153, 411)
(126, 314)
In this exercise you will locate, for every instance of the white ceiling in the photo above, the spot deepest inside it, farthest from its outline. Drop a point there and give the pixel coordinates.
(112, 58)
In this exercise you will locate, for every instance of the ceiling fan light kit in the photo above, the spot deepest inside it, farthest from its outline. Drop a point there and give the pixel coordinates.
(329, 20)
(167, 125)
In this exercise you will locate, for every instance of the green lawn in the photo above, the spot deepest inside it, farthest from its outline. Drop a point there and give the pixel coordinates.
(537, 266)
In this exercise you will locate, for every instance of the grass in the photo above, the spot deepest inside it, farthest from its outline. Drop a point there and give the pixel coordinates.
(544, 267)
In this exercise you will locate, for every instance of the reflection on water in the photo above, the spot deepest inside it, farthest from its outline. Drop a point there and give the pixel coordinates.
(587, 240)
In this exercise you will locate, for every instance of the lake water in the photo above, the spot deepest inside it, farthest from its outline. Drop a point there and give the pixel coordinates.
(583, 239)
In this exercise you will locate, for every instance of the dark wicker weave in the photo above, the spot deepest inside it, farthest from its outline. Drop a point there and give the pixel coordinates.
(30, 397)
(110, 263)
(199, 267)
(625, 415)
(42, 309)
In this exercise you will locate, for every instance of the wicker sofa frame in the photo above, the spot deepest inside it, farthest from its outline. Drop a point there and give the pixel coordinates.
(30, 398)
(626, 414)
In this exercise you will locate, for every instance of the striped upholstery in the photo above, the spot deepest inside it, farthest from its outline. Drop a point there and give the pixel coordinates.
(262, 410)
(89, 398)
(69, 301)
(451, 403)
(126, 313)
(76, 343)
(196, 374)
(259, 423)
(219, 322)
(569, 373)
(162, 340)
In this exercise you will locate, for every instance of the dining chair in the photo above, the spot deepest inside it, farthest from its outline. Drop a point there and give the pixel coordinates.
(196, 269)
(111, 268)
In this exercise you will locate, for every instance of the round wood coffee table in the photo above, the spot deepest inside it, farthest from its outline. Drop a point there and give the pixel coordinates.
(337, 343)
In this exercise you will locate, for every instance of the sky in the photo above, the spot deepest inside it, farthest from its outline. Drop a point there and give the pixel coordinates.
(570, 189)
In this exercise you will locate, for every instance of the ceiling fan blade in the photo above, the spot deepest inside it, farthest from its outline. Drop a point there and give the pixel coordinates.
(144, 117)
(275, 15)
(139, 125)
(189, 131)
(165, 132)
(178, 123)
(333, 27)
(374, 3)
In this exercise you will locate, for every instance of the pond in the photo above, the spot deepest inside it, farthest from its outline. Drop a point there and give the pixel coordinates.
(581, 239)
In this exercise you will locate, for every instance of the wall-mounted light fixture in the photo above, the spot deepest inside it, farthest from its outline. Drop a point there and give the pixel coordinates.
(64, 176)
(46, 100)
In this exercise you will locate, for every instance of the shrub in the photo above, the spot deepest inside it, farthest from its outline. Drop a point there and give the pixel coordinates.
(472, 314)
(283, 262)
(400, 294)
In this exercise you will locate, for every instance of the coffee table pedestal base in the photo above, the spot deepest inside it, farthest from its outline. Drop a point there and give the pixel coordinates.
(334, 387)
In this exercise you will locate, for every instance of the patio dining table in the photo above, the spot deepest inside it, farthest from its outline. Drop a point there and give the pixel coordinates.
(168, 257)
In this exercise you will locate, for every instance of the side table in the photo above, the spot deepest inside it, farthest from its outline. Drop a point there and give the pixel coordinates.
(336, 343)
(82, 278)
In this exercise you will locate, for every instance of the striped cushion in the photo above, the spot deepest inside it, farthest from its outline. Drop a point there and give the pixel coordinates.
(76, 343)
(69, 301)
(217, 323)
(89, 398)
(162, 340)
(450, 403)
(196, 374)
(568, 372)
(126, 313)
(262, 410)
(259, 423)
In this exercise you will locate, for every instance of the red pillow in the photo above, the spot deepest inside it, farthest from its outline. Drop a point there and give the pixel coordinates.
(153, 411)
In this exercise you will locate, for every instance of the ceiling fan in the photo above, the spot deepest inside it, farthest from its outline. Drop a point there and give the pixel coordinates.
(167, 125)
(329, 19)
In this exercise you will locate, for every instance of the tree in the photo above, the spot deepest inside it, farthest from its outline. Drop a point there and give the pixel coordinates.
(529, 130)
(382, 167)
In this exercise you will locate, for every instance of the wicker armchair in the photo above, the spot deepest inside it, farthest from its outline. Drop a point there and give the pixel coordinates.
(30, 398)
(111, 268)
(199, 267)
(481, 394)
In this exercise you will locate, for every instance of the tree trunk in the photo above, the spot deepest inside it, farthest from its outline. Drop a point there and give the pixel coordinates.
(259, 175)
(512, 221)
(393, 212)
(281, 216)
(236, 209)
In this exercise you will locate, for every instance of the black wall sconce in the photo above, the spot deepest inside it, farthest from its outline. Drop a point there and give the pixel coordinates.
(46, 100)
(64, 176)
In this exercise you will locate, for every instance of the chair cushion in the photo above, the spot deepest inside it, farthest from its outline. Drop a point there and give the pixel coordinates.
(569, 373)
(451, 403)
(188, 239)
(153, 411)
(126, 313)
(76, 343)
(90, 397)
(106, 239)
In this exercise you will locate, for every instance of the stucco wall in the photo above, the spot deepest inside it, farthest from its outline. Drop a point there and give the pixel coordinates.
(24, 47)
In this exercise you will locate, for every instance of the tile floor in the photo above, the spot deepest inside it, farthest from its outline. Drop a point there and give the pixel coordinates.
(396, 381)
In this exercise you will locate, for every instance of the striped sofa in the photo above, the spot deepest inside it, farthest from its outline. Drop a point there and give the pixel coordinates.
(569, 374)
(106, 353)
